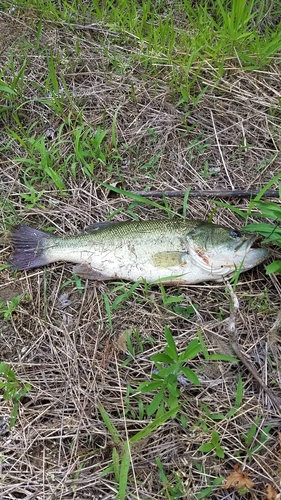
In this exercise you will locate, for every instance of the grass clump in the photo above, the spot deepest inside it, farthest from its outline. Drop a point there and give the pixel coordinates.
(13, 389)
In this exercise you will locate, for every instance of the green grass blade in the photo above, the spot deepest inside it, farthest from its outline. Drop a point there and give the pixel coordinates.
(116, 464)
(263, 190)
(222, 357)
(239, 392)
(137, 197)
(185, 202)
(152, 407)
(157, 422)
(124, 469)
(108, 310)
(111, 428)
(5, 88)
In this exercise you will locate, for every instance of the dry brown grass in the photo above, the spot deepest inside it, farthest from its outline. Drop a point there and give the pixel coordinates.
(60, 445)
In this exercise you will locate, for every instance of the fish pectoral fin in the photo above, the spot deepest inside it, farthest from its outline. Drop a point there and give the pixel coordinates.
(87, 272)
(169, 259)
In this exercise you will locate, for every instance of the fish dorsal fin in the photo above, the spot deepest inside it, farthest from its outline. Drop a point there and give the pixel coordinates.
(99, 226)
(169, 259)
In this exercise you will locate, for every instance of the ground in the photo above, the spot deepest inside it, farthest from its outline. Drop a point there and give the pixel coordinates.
(84, 106)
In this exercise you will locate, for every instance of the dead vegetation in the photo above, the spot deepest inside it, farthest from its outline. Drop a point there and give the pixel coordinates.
(60, 340)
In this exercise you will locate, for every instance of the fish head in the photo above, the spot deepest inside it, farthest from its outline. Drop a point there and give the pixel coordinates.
(221, 250)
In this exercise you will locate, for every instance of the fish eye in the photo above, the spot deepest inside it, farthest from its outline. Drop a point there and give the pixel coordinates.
(235, 234)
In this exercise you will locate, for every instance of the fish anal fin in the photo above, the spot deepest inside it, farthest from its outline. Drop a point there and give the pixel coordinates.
(87, 272)
(169, 259)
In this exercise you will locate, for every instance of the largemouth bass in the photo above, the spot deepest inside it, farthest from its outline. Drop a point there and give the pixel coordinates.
(173, 252)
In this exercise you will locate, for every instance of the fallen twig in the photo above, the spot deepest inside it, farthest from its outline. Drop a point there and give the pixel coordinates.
(231, 330)
(215, 193)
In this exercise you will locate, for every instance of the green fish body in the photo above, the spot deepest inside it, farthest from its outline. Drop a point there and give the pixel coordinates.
(174, 251)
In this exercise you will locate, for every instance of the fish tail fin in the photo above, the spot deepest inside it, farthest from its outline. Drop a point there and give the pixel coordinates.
(29, 247)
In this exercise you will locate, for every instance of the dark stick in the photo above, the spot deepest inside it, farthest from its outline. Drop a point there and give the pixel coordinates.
(216, 193)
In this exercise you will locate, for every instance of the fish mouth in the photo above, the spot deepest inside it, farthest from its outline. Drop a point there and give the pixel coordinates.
(243, 256)
(247, 244)
(253, 255)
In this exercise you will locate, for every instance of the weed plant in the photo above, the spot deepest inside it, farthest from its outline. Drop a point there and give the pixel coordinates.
(13, 389)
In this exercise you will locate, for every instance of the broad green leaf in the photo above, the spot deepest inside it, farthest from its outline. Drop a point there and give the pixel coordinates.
(215, 438)
(219, 451)
(108, 470)
(191, 351)
(161, 410)
(171, 353)
(172, 388)
(269, 209)
(274, 267)
(162, 358)
(263, 228)
(265, 434)
(164, 372)
(205, 448)
(206, 409)
(141, 409)
(7, 372)
(183, 420)
(191, 376)
(150, 386)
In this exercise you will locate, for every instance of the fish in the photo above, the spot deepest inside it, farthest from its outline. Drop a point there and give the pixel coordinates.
(176, 251)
